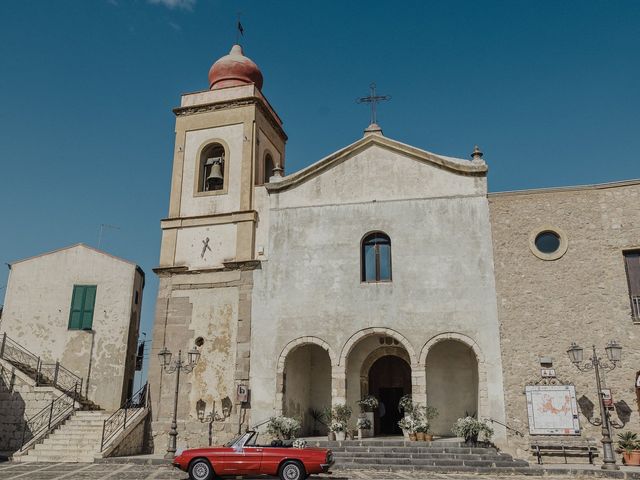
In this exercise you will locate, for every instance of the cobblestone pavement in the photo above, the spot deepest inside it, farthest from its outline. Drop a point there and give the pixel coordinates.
(102, 471)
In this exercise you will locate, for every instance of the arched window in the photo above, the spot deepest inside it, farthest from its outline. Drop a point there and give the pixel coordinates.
(376, 258)
(268, 167)
(211, 176)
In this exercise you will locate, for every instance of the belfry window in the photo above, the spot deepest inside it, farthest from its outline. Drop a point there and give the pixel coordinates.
(268, 167)
(212, 168)
(376, 258)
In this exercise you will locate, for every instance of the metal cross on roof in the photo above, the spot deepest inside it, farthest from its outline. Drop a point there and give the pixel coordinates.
(373, 99)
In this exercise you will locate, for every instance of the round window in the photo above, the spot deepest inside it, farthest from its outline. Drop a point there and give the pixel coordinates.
(547, 242)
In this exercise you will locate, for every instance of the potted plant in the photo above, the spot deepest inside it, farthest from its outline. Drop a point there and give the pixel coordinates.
(340, 415)
(471, 429)
(364, 427)
(368, 403)
(283, 428)
(405, 406)
(318, 418)
(630, 445)
(430, 413)
(422, 428)
(408, 424)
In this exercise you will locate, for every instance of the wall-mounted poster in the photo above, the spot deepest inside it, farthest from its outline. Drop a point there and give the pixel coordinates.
(552, 409)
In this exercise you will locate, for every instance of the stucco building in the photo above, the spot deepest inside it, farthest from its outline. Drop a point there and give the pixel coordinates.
(81, 307)
(335, 282)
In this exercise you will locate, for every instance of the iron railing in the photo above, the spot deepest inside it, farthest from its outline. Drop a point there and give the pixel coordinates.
(517, 432)
(121, 418)
(13, 352)
(43, 373)
(49, 417)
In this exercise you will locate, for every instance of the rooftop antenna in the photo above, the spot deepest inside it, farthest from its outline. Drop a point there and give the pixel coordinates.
(104, 226)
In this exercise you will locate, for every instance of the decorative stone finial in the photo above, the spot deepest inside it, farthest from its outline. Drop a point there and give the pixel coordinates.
(373, 129)
(476, 156)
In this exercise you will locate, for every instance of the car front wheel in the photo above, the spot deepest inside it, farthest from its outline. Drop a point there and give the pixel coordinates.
(200, 469)
(292, 470)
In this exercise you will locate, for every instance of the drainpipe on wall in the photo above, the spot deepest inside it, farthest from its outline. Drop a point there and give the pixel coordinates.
(93, 337)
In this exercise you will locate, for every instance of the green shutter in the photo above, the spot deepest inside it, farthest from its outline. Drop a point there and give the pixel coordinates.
(88, 306)
(75, 313)
(82, 304)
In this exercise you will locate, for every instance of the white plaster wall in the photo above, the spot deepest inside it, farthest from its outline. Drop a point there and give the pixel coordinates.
(222, 241)
(377, 174)
(452, 384)
(36, 315)
(308, 385)
(191, 205)
(443, 279)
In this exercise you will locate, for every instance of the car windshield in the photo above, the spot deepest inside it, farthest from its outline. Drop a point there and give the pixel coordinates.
(247, 438)
(230, 443)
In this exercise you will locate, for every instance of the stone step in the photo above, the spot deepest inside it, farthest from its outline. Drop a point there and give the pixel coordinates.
(444, 469)
(386, 443)
(452, 450)
(426, 456)
(79, 429)
(434, 462)
(84, 423)
(71, 441)
(58, 459)
(64, 449)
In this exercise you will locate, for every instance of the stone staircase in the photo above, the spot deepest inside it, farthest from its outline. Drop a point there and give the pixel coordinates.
(76, 440)
(437, 456)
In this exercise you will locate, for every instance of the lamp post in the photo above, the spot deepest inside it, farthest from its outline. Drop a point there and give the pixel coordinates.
(614, 353)
(165, 361)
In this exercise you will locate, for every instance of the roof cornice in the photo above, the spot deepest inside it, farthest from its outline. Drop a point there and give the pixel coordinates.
(456, 165)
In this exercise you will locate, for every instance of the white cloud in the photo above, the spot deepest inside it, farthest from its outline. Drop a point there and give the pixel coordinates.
(184, 4)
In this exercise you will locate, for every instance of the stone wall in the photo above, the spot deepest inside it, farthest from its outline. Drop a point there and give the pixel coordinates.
(20, 399)
(581, 296)
(214, 306)
(135, 441)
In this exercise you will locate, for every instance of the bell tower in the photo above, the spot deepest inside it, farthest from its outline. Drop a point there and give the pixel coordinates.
(229, 142)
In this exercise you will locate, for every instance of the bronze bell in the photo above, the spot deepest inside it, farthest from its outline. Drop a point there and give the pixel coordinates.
(215, 178)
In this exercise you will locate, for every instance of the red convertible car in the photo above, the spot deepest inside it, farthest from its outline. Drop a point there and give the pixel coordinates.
(244, 456)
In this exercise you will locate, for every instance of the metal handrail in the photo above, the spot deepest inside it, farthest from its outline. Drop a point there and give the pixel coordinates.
(13, 352)
(517, 432)
(43, 373)
(118, 420)
(49, 417)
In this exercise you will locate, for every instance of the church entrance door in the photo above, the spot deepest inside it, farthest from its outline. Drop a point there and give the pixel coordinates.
(389, 381)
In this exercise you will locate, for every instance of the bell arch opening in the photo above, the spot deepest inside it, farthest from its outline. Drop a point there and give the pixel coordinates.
(452, 383)
(307, 387)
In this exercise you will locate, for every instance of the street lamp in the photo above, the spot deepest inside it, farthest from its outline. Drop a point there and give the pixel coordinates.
(614, 353)
(165, 355)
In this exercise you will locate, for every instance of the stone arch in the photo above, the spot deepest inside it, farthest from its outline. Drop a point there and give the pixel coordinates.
(471, 343)
(396, 351)
(482, 383)
(288, 349)
(351, 342)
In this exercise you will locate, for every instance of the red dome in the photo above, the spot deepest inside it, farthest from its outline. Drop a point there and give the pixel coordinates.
(234, 69)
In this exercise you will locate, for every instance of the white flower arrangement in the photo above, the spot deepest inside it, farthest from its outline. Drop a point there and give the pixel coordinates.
(299, 443)
(338, 426)
(409, 424)
(283, 428)
(369, 402)
(363, 423)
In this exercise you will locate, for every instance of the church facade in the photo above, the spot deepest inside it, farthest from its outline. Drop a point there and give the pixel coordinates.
(320, 287)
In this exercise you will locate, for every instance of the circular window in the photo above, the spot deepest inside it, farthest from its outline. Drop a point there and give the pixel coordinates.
(548, 243)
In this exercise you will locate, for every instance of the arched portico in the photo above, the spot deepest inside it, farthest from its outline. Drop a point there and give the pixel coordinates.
(304, 372)
(456, 379)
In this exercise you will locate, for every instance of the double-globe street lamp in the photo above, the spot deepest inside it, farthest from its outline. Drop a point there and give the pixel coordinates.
(595, 363)
(178, 364)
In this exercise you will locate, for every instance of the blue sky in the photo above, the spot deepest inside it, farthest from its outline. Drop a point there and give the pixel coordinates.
(548, 89)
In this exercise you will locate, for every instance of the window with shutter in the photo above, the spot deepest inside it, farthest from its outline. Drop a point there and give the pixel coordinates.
(632, 266)
(82, 304)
